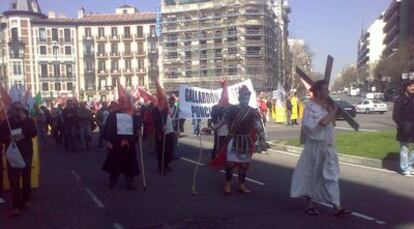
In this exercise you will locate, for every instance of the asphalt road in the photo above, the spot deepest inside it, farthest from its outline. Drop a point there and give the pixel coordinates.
(74, 192)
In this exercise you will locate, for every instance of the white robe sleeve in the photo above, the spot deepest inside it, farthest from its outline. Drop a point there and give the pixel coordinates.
(310, 123)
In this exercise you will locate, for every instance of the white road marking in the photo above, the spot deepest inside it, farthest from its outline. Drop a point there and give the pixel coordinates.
(118, 226)
(342, 163)
(76, 175)
(222, 171)
(362, 130)
(357, 214)
(95, 198)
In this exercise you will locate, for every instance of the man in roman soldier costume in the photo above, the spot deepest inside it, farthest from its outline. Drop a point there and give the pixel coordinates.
(237, 149)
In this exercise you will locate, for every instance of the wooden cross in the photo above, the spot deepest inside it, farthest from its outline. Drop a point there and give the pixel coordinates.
(327, 78)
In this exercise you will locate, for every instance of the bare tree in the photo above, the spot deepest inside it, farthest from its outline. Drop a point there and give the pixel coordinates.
(300, 56)
(346, 78)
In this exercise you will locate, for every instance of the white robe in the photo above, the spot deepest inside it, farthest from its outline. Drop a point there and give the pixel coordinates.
(317, 172)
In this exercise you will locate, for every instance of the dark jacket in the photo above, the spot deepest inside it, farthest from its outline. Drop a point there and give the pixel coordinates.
(25, 145)
(403, 116)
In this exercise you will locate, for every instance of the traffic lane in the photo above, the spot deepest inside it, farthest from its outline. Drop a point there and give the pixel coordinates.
(275, 171)
(60, 202)
(376, 196)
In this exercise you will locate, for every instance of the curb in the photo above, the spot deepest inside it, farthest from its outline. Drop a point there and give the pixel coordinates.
(364, 161)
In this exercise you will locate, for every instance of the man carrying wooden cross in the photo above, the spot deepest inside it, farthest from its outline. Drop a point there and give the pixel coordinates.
(316, 175)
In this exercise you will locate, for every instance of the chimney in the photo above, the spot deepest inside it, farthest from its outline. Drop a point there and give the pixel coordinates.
(81, 12)
(51, 14)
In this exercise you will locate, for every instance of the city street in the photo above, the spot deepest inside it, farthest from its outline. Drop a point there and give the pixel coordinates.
(74, 193)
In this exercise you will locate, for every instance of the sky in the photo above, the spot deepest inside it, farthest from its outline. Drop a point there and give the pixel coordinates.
(327, 26)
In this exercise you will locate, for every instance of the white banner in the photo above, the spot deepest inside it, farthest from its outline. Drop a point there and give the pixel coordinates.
(196, 103)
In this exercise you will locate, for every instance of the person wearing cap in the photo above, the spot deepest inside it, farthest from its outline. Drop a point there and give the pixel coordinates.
(403, 116)
(243, 122)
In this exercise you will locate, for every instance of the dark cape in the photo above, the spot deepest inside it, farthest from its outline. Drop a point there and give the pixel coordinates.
(121, 159)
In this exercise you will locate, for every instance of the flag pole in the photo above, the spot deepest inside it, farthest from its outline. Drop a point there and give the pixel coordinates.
(163, 147)
(142, 162)
(193, 189)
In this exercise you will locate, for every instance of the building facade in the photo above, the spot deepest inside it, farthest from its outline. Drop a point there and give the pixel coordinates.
(81, 56)
(399, 29)
(370, 48)
(204, 41)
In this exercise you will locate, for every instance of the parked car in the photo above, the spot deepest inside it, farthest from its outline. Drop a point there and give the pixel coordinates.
(368, 106)
(346, 106)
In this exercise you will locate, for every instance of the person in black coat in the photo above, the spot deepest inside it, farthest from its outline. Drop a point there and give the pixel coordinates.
(403, 116)
(24, 130)
(121, 134)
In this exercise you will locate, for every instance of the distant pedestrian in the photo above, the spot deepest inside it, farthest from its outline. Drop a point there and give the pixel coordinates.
(288, 111)
(69, 126)
(403, 116)
(85, 121)
(196, 127)
(101, 117)
(23, 129)
(316, 175)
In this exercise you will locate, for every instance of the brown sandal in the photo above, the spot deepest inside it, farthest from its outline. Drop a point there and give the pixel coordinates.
(342, 212)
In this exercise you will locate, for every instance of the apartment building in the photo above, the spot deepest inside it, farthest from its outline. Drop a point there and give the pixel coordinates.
(399, 29)
(370, 48)
(81, 56)
(206, 40)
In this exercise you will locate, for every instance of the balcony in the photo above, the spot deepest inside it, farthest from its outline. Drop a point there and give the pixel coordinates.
(87, 39)
(139, 37)
(102, 72)
(101, 38)
(140, 71)
(57, 58)
(128, 71)
(101, 55)
(140, 53)
(127, 37)
(114, 38)
(115, 72)
(128, 54)
(115, 55)
(153, 50)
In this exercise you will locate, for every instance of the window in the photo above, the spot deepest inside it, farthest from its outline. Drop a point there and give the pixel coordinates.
(152, 31)
(124, 11)
(88, 32)
(232, 70)
(188, 55)
(113, 82)
(89, 65)
(217, 53)
(55, 35)
(101, 48)
(43, 50)
(127, 32)
(101, 32)
(43, 70)
(140, 32)
(128, 82)
(127, 48)
(114, 48)
(15, 34)
(253, 50)
(101, 66)
(45, 86)
(128, 65)
(42, 34)
(55, 50)
(114, 65)
(56, 70)
(17, 68)
(88, 48)
(68, 50)
(140, 48)
(69, 86)
(67, 35)
(69, 70)
(90, 84)
(232, 50)
(140, 64)
(114, 32)
(57, 87)
(172, 55)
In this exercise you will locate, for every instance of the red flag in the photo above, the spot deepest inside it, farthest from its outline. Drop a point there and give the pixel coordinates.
(5, 97)
(146, 96)
(124, 99)
(224, 99)
(162, 102)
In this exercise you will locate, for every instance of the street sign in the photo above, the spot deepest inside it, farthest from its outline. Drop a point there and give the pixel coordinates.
(158, 21)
